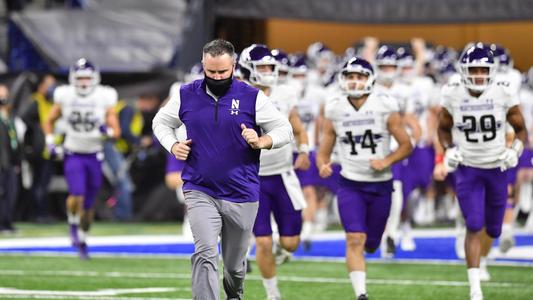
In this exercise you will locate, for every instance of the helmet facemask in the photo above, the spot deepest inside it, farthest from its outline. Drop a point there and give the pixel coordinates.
(356, 84)
(84, 80)
(477, 77)
(387, 74)
(265, 73)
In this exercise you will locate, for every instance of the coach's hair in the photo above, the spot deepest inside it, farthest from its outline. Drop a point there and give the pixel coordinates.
(219, 47)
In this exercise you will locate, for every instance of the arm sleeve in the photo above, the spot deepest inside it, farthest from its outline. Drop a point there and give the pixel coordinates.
(112, 98)
(272, 121)
(58, 95)
(445, 100)
(166, 121)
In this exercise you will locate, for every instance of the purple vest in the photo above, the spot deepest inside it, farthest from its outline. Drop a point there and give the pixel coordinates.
(221, 163)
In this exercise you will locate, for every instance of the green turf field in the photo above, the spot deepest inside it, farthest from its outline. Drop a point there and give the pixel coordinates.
(298, 279)
(25, 230)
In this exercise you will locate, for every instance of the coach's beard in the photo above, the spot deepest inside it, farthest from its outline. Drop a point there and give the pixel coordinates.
(218, 87)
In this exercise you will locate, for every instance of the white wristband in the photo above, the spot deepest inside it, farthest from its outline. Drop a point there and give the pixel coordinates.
(303, 148)
(49, 139)
(110, 132)
(518, 146)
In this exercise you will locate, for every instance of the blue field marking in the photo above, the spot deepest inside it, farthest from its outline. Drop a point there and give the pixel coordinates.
(427, 248)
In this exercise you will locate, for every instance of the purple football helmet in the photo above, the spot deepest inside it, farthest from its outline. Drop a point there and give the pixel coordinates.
(387, 65)
(357, 88)
(253, 57)
(406, 63)
(84, 76)
(196, 72)
(477, 56)
(283, 63)
(502, 57)
(282, 58)
(529, 78)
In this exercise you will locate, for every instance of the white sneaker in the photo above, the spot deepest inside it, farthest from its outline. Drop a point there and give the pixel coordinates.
(282, 256)
(484, 274)
(476, 296)
(408, 243)
(507, 242)
(419, 214)
(529, 223)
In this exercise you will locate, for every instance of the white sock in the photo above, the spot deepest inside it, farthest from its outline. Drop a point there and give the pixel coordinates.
(307, 228)
(406, 228)
(321, 217)
(473, 279)
(271, 286)
(358, 280)
(391, 229)
(73, 219)
(483, 262)
(82, 235)
(507, 228)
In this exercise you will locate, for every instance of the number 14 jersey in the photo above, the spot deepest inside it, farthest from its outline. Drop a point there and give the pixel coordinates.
(479, 122)
(362, 135)
(84, 115)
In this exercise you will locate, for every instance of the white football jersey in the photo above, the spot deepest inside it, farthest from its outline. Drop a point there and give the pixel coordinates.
(479, 123)
(362, 134)
(526, 104)
(398, 92)
(513, 76)
(309, 109)
(419, 101)
(84, 115)
(278, 161)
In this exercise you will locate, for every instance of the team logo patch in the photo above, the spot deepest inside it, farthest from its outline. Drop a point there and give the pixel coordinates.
(234, 107)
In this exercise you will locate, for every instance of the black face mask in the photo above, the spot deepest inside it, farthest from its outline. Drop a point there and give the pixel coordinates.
(218, 87)
(3, 101)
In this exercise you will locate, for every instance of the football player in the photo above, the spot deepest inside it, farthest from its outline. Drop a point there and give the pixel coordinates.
(88, 109)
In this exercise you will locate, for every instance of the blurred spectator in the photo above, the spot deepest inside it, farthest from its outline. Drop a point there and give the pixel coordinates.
(34, 115)
(10, 157)
(15, 5)
(148, 105)
(131, 124)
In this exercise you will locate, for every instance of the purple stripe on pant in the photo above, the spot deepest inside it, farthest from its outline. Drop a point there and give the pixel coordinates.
(273, 198)
(83, 173)
(364, 207)
(482, 195)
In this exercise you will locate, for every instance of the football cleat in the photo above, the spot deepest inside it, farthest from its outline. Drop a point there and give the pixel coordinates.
(83, 251)
(362, 297)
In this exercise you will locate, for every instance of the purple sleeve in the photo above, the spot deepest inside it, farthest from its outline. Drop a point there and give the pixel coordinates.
(174, 165)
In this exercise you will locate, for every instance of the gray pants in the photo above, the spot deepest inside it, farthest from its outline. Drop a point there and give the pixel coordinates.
(233, 222)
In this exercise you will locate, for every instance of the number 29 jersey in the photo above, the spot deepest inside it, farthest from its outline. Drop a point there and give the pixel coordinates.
(479, 122)
(362, 135)
(84, 115)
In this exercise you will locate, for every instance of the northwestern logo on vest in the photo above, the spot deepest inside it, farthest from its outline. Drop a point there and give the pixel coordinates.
(234, 107)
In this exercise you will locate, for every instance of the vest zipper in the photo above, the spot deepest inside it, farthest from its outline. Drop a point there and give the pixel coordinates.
(216, 110)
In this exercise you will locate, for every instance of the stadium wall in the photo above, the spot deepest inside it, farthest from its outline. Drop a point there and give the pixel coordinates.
(296, 35)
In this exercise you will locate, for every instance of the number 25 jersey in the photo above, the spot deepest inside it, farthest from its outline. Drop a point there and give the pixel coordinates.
(479, 122)
(84, 115)
(362, 135)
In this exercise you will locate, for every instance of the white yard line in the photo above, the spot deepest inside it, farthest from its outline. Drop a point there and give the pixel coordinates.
(186, 276)
(104, 294)
(7, 296)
